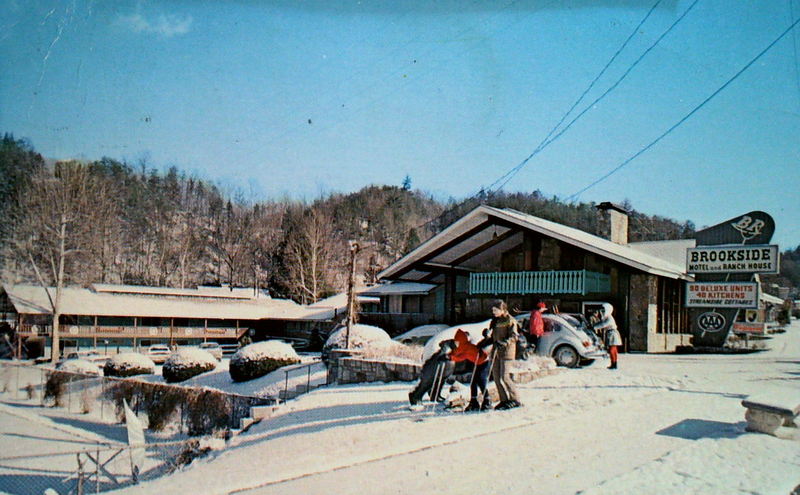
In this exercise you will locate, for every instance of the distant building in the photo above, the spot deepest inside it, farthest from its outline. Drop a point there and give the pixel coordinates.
(127, 315)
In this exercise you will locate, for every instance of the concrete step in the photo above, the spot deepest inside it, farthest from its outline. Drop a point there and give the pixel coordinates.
(262, 412)
(245, 423)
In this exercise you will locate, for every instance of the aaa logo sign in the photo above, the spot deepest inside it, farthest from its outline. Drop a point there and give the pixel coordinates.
(711, 322)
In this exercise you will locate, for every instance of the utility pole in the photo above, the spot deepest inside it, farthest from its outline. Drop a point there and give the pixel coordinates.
(351, 296)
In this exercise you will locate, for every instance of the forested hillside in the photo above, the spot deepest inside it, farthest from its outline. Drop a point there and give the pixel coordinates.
(114, 222)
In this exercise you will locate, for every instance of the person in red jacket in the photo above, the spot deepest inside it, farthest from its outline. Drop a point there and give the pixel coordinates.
(537, 324)
(467, 351)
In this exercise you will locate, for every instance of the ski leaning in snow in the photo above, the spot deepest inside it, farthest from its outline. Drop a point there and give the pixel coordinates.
(438, 382)
(434, 395)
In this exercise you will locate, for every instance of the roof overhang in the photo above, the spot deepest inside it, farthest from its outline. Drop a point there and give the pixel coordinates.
(469, 240)
(399, 288)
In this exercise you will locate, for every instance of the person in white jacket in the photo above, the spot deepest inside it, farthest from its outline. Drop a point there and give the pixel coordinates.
(608, 326)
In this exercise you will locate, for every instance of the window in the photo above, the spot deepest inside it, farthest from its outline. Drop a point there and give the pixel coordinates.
(672, 316)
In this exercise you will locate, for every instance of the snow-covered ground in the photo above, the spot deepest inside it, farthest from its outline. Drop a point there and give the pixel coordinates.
(662, 424)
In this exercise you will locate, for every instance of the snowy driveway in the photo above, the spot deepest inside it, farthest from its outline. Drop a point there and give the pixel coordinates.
(661, 424)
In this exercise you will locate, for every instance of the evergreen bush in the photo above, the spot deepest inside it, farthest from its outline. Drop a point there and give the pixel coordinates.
(129, 364)
(187, 363)
(256, 360)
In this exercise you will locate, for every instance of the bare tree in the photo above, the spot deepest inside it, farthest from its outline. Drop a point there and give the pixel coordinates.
(53, 222)
(313, 255)
(232, 229)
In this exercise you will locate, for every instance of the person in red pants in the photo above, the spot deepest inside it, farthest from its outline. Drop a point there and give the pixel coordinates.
(608, 326)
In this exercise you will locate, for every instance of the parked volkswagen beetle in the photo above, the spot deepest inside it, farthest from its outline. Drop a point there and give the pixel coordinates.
(565, 339)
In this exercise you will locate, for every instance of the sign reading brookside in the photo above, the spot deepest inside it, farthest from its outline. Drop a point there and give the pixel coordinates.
(722, 295)
(733, 259)
(726, 258)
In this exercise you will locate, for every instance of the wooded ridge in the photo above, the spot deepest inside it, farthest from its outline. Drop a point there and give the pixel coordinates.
(113, 222)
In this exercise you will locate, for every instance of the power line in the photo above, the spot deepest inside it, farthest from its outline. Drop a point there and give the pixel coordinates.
(636, 62)
(510, 174)
(514, 170)
(687, 116)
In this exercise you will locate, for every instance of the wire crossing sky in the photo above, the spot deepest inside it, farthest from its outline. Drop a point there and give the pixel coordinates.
(285, 99)
(550, 138)
(689, 115)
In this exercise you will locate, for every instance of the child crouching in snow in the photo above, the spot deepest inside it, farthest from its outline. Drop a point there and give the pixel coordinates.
(428, 374)
(467, 351)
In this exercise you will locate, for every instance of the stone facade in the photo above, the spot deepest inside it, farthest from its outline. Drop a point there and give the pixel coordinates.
(642, 311)
(550, 255)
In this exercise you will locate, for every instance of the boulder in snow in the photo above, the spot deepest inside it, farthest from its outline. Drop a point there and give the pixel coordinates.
(186, 363)
(129, 364)
(256, 360)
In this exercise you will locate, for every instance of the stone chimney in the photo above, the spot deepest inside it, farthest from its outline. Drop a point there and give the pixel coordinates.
(613, 223)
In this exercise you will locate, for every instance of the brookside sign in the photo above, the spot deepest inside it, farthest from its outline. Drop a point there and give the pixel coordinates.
(722, 295)
(724, 261)
(733, 259)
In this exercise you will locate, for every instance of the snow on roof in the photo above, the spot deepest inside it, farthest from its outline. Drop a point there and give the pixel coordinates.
(339, 301)
(225, 292)
(397, 288)
(32, 299)
(769, 298)
(478, 217)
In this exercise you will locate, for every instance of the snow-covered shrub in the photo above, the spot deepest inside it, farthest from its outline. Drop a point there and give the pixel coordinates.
(161, 403)
(207, 411)
(80, 366)
(256, 360)
(364, 337)
(186, 363)
(129, 364)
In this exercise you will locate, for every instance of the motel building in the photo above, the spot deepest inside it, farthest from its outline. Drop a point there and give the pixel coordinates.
(493, 253)
(107, 316)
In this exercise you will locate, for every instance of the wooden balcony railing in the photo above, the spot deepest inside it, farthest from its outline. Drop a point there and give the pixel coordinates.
(136, 331)
(547, 282)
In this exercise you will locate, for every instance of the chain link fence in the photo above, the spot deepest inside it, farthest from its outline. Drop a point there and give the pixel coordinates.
(64, 431)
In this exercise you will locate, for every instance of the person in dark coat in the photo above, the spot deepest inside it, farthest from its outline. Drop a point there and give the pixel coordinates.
(428, 374)
(505, 332)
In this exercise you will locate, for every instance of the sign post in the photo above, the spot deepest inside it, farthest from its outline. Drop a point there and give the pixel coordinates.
(726, 257)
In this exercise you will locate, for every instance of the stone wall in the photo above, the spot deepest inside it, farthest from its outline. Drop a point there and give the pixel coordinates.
(642, 312)
(356, 369)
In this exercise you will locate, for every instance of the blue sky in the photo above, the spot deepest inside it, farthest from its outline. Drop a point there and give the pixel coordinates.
(304, 98)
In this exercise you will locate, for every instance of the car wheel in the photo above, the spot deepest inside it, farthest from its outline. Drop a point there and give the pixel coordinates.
(566, 356)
